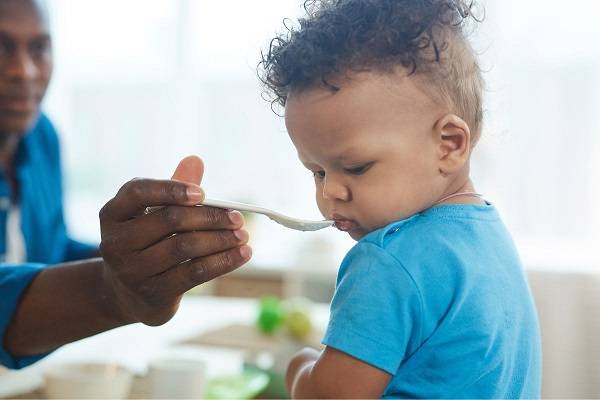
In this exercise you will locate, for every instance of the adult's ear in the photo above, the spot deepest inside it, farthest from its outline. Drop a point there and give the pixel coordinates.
(454, 143)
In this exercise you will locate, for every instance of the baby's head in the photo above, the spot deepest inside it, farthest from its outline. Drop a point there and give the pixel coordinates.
(383, 102)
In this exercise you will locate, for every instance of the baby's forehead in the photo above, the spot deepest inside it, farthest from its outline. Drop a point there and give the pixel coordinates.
(364, 91)
(363, 109)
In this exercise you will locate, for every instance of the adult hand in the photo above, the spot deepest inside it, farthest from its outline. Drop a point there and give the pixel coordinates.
(151, 259)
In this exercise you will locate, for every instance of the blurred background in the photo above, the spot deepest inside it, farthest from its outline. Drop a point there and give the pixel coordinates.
(141, 83)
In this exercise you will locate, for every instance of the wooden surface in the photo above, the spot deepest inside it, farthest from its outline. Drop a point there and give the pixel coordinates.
(248, 337)
(248, 286)
(134, 346)
(139, 390)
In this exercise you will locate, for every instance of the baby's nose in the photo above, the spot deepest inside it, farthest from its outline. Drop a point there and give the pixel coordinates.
(335, 190)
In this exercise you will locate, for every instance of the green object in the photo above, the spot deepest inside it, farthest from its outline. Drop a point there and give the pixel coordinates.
(298, 324)
(276, 389)
(246, 385)
(271, 315)
(297, 317)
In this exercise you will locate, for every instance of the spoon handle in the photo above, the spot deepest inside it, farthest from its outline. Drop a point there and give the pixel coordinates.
(234, 205)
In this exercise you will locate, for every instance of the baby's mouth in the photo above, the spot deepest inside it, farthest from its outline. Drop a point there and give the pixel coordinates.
(345, 225)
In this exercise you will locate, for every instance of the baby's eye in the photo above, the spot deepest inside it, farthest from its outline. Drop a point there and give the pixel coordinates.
(359, 170)
(319, 174)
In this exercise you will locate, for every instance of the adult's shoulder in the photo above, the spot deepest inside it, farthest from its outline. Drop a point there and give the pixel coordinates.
(43, 135)
(44, 127)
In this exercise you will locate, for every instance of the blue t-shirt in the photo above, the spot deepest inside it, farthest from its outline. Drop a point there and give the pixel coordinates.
(440, 301)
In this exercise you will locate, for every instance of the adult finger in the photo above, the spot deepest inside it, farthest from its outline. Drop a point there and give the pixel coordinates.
(167, 221)
(189, 170)
(186, 246)
(136, 195)
(192, 273)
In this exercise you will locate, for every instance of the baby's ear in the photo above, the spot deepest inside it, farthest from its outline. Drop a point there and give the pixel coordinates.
(454, 143)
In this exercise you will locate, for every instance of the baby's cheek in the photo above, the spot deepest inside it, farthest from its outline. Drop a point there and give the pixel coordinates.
(320, 203)
(384, 215)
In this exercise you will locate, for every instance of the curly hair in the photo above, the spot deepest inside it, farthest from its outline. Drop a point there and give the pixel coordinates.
(428, 38)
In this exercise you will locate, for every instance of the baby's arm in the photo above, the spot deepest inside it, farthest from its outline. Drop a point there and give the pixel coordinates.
(333, 374)
(374, 323)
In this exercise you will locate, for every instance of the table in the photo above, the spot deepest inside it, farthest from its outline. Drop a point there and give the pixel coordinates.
(134, 346)
(568, 303)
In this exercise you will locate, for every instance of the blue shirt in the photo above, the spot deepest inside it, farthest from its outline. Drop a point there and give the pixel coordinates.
(38, 172)
(39, 177)
(13, 281)
(440, 301)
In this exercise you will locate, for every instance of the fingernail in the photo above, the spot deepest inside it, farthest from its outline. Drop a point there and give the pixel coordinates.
(235, 217)
(246, 252)
(194, 194)
(241, 235)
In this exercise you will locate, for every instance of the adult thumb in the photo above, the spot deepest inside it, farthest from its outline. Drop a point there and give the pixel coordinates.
(189, 170)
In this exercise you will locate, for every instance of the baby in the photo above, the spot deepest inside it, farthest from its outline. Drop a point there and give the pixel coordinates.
(383, 102)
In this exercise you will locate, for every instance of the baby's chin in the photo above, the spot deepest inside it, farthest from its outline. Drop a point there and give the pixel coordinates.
(357, 230)
(359, 233)
(357, 236)
(350, 227)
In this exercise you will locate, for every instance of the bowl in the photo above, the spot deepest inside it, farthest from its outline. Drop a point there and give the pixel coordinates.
(176, 378)
(87, 380)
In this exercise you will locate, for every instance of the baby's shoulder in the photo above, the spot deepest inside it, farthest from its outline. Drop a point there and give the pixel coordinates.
(417, 244)
(407, 234)
(392, 246)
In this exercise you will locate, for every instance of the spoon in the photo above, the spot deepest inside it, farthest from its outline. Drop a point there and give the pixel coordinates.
(288, 222)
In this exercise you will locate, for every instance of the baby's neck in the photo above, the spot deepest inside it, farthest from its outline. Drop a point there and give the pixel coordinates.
(453, 194)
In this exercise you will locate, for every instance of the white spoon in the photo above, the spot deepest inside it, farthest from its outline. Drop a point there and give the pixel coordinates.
(289, 222)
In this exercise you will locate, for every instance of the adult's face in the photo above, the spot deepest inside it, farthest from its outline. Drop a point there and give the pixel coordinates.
(25, 63)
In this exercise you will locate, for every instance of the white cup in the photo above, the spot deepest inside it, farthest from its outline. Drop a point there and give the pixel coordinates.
(87, 381)
(176, 378)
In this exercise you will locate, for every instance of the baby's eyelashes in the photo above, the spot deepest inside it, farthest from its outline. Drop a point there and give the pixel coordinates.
(358, 170)
(355, 170)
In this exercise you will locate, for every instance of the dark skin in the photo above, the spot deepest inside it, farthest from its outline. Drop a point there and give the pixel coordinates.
(144, 269)
(26, 67)
(333, 374)
(25, 70)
